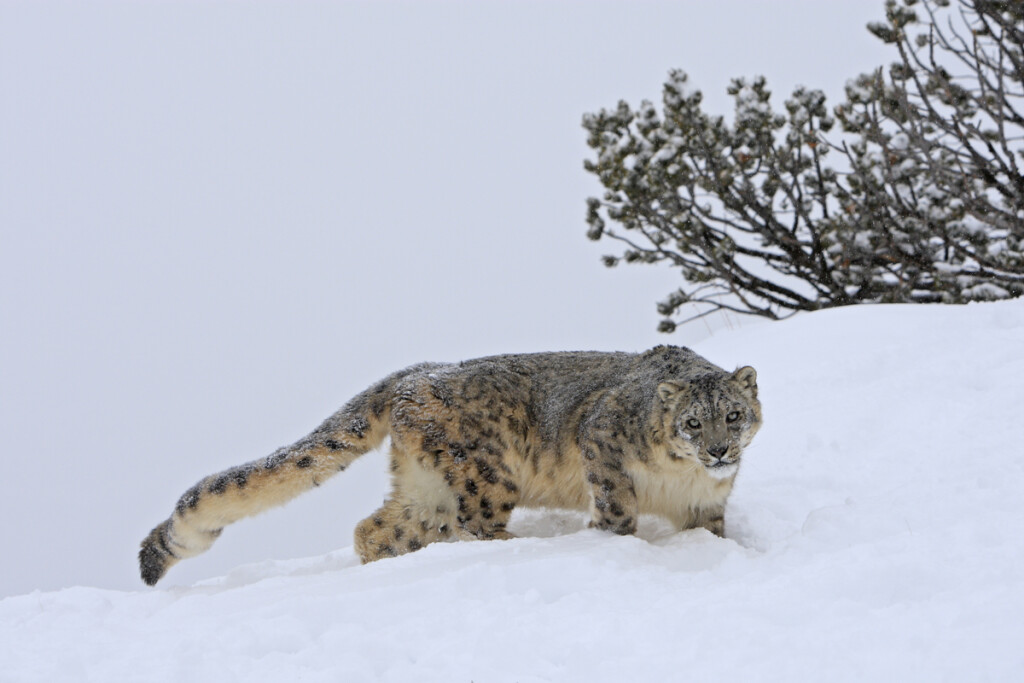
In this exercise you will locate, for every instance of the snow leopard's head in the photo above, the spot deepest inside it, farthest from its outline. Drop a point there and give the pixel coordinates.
(711, 418)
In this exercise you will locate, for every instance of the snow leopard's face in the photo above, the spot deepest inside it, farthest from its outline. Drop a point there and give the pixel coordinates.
(712, 418)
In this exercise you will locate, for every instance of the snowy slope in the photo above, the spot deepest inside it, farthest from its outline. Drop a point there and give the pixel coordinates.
(876, 533)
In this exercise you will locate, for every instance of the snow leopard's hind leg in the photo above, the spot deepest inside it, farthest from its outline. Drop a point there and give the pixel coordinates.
(420, 510)
(448, 470)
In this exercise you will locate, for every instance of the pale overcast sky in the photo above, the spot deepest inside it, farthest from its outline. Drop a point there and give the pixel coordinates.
(221, 220)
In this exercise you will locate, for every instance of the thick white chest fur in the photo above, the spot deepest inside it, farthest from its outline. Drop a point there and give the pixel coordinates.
(677, 490)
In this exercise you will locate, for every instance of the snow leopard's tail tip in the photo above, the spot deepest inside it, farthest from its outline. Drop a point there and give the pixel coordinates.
(155, 558)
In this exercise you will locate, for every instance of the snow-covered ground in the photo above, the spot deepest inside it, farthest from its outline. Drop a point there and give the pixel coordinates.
(876, 532)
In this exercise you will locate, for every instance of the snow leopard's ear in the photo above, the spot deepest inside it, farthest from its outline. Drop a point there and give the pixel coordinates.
(669, 392)
(746, 378)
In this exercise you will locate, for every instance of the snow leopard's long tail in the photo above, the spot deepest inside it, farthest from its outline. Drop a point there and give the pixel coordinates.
(226, 497)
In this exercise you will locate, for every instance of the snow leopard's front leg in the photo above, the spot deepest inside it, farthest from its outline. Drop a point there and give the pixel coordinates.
(613, 501)
(711, 518)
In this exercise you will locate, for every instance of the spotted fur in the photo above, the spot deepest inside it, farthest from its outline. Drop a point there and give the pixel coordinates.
(615, 434)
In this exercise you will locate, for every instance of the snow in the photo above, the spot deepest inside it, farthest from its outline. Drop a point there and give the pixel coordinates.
(874, 534)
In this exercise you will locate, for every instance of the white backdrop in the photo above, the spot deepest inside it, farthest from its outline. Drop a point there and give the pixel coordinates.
(219, 221)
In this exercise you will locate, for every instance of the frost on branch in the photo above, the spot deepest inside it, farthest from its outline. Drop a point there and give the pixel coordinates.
(915, 196)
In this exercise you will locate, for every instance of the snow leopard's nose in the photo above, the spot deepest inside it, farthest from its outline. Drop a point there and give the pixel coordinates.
(717, 451)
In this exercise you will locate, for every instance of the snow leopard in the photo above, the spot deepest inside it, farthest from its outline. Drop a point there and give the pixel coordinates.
(613, 434)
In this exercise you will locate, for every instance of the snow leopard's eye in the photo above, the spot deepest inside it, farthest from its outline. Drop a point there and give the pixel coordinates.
(693, 424)
(733, 416)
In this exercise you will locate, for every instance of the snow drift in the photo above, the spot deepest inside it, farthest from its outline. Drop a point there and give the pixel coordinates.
(875, 532)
